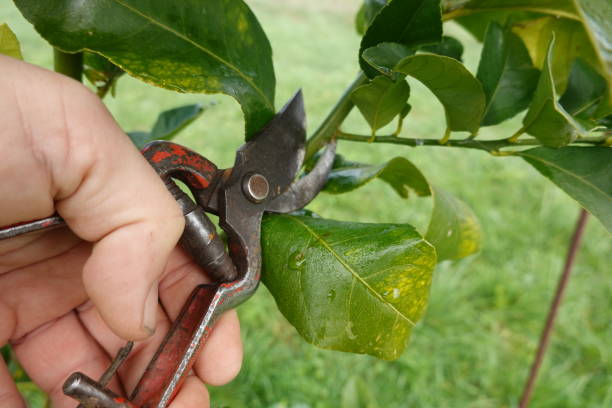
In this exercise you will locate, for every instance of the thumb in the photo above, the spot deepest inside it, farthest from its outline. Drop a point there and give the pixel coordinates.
(108, 194)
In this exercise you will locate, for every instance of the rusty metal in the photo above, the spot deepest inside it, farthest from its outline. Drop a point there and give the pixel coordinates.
(261, 180)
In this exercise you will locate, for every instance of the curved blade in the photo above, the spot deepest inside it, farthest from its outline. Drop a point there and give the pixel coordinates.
(277, 151)
(304, 190)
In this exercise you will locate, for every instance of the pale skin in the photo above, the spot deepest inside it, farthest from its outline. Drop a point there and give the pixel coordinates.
(69, 298)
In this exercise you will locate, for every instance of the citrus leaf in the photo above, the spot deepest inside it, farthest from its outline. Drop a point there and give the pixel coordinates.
(585, 173)
(563, 8)
(188, 46)
(507, 75)
(596, 16)
(366, 14)
(9, 44)
(449, 46)
(102, 73)
(546, 119)
(399, 172)
(348, 286)
(168, 124)
(380, 100)
(454, 229)
(409, 22)
(571, 41)
(585, 90)
(454, 86)
(384, 56)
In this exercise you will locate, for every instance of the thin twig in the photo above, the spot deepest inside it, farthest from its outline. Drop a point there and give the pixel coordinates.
(554, 308)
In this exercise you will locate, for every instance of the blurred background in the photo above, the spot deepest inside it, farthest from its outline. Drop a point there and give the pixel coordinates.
(475, 344)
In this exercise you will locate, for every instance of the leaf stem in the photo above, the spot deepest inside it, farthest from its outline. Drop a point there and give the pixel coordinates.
(328, 128)
(491, 146)
(68, 64)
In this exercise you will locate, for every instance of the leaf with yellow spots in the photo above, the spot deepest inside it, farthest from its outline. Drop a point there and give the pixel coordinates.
(454, 229)
(348, 286)
(207, 46)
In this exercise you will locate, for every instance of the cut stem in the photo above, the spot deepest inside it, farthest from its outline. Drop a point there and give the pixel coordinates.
(554, 308)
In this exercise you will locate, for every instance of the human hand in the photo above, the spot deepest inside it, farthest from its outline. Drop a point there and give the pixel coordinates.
(68, 298)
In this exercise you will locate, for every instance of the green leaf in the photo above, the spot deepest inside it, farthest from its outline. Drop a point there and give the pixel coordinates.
(454, 86)
(168, 124)
(585, 173)
(449, 46)
(102, 73)
(384, 56)
(507, 75)
(571, 41)
(380, 100)
(9, 44)
(35, 397)
(585, 90)
(596, 18)
(409, 22)
(399, 172)
(454, 229)
(546, 119)
(348, 286)
(187, 46)
(366, 14)
(454, 8)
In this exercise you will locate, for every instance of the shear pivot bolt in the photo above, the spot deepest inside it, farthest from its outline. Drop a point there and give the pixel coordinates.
(256, 187)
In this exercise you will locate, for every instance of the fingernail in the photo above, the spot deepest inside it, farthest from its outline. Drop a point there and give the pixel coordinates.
(150, 310)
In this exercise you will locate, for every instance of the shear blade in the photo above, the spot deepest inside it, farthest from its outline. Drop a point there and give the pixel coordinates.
(304, 190)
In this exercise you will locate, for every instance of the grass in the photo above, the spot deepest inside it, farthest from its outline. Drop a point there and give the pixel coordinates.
(475, 343)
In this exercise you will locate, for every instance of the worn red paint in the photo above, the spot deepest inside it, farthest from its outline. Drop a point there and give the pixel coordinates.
(159, 156)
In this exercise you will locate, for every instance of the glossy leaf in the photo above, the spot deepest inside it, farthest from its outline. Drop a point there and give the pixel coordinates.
(102, 73)
(585, 173)
(348, 286)
(449, 46)
(596, 17)
(384, 56)
(366, 14)
(9, 44)
(454, 229)
(455, 9)
(409, 22)
(400, 173)
(507, 75)
(585, 90)
(571, 41)
(454, 86)
(168, 124)
(380, 100)
(187, 46)
(546, 119)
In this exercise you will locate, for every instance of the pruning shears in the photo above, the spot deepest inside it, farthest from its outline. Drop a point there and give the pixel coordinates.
(263, 179)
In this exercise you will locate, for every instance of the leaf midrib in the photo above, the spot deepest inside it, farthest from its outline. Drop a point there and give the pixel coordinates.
(248, 80)
(350, 269)
(573, 175)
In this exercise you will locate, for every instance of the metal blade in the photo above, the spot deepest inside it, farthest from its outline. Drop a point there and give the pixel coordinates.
(304, 190)
(277, 151)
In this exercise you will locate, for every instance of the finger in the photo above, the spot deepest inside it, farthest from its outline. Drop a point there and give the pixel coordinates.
(193, 394)
(106, 192)
(142, 352)
(221, 357)
(9, 395)
(54, 351)
(42, 292)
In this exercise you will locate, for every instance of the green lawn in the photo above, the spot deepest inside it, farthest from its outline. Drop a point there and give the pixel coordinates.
(474, 346)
